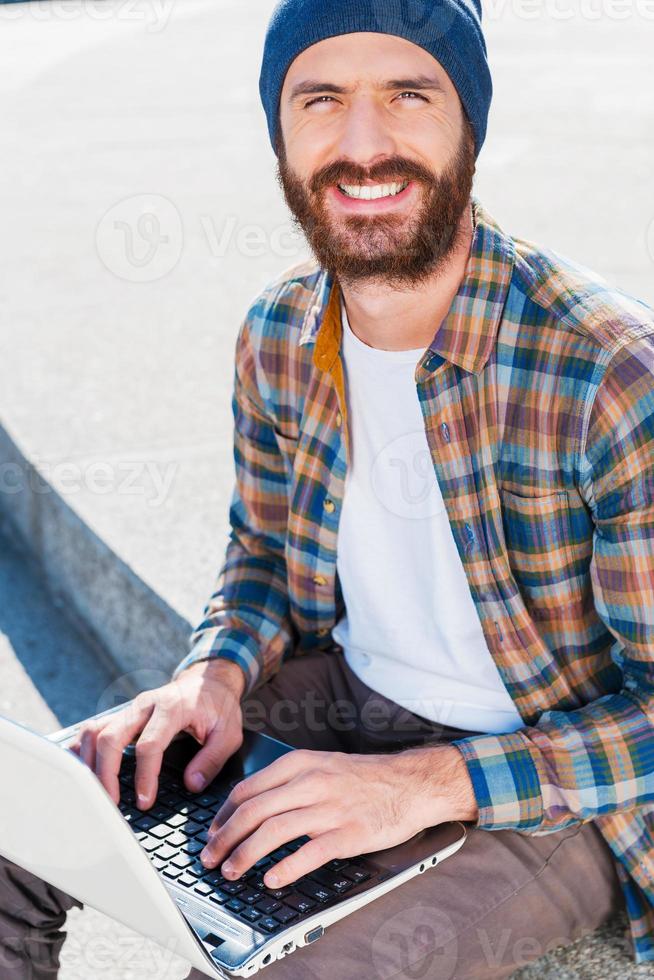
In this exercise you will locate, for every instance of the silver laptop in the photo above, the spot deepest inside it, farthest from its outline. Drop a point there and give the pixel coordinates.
(142, 867)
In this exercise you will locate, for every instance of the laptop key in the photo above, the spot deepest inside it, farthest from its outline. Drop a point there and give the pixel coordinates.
(187, 880)
(191, 828)
(149, 843)
(204, 816)
(157, 862)
(172, 872)
(332, 879)
(267, 905)
(300, 903)
(233, 887)
(201, 887)
(193, 846)
(285, 915)
(218, 898)
(182, 861)
(165, 852)
(160, 830)
(145, 822)
(207, 801)
(356, 874)
(159, 812)
(234, 905)
(250, 896)
(314, 890)
(250, 914)
(177, 820)
(268, 924)
(177, 838)
(279, 892)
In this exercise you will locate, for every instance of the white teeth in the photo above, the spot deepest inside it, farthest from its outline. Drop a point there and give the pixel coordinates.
(372, 193)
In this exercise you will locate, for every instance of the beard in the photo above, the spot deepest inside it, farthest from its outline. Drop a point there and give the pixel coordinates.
(400, 250)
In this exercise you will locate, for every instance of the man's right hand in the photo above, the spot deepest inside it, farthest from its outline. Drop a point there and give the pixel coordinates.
(204, 700)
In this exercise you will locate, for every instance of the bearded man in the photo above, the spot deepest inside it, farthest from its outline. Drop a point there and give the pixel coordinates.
(444, 448)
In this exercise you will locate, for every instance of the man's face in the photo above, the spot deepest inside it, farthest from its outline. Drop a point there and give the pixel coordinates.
(377, 157)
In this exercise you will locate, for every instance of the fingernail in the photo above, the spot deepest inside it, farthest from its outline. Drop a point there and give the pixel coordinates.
(142, 799)
(271, 881)
(227, 868)
(197, 780)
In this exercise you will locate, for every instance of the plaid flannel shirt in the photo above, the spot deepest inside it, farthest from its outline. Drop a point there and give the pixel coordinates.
(537, 393)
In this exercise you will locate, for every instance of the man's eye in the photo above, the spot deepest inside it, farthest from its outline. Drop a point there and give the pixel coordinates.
(414, 94)
(319, 98)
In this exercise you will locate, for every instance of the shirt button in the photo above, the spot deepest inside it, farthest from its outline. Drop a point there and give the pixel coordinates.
(322, 632)
(329, 505)
(339, 419)
(445, 432)
(320, 580)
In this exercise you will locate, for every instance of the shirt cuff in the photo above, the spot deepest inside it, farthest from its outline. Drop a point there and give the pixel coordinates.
(505, 781)
(239, 647)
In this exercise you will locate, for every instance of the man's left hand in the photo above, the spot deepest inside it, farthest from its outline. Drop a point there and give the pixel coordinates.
(343, 802)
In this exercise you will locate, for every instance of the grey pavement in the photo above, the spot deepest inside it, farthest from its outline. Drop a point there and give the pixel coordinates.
(51, 677)
(141, 217)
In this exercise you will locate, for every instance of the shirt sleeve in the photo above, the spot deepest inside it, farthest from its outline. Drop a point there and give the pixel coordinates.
(573, 766)
(246, 620)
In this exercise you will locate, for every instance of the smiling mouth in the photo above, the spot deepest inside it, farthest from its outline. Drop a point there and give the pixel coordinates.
(372, 192)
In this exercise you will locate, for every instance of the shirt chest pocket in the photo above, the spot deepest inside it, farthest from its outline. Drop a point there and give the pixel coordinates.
(539, 537)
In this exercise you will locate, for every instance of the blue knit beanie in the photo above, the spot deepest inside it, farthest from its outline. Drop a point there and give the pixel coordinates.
(449, 29)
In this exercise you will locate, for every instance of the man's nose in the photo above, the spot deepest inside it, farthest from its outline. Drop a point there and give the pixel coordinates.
(365, 134)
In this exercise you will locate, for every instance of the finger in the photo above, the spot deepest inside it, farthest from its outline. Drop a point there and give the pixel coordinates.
(253, 813)
(277, 773)
(112, 739)
(87, 746)
(205, 765)
(155, 738)
(273, 833)
(324, 847)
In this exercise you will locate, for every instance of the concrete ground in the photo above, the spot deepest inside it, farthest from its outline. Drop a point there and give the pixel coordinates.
(51, 677)
(141, 216)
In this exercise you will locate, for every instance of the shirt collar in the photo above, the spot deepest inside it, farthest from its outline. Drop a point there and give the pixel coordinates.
(467, 334)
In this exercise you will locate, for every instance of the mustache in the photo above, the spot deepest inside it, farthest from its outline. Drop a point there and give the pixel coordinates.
(387, 171)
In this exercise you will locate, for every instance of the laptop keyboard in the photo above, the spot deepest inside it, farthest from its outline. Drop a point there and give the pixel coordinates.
(174, 831)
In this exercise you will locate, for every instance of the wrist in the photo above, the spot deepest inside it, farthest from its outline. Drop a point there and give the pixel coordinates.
(226, 672)
(442, 784)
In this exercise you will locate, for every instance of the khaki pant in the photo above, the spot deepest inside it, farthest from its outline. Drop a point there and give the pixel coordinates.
(500, 902)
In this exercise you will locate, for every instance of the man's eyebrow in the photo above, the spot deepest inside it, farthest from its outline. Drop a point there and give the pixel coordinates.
(415, 82)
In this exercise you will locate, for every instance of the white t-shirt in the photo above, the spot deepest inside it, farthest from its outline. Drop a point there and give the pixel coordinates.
(411, 629)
